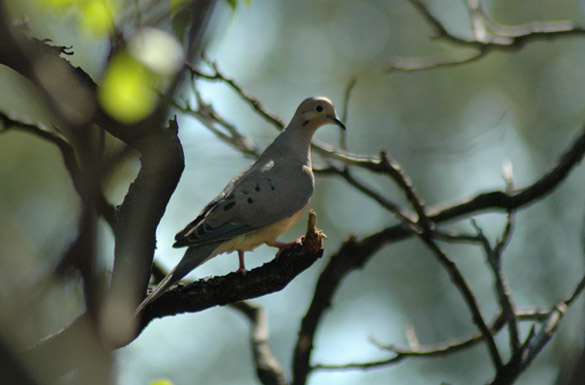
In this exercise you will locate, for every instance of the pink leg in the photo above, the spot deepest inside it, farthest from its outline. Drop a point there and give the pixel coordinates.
(242, 268)
(282, 245)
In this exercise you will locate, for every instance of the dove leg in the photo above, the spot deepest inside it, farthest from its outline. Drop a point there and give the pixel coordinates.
(284, 245)
(242, 267)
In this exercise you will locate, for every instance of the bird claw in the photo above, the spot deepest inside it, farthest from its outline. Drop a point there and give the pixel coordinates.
(283, 245)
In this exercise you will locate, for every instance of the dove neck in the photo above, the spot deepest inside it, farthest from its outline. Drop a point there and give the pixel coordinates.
(299, 142)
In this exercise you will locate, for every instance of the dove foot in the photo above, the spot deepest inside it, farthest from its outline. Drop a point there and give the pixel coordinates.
(242, 268)
(283, 245)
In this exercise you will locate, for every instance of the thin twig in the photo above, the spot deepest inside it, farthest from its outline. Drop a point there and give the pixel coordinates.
(536, 341)
(405, 216)
(484, 41)
(344, 113)
(207, 116)
(252, 101)
(503, 291)
(439, 29)
(512, 200)
(436, 61)
(470, 300)
(395, 171)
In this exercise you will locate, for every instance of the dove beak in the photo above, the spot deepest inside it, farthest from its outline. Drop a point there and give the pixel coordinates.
(336, 120)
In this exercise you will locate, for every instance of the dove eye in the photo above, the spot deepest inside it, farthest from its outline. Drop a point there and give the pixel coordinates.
(319, 108)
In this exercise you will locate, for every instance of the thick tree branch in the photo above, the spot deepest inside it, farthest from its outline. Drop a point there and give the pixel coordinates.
(352, 255)
(197, 296)
(213, 291)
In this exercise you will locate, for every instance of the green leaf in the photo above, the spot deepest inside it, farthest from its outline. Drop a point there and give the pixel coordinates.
(126, 93)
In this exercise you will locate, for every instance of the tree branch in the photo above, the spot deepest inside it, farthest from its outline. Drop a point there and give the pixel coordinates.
(536, 341)
(355, 253)
(503, 291)
(252, 101)
(213, 291)
(512, 200)
(268, 369)
(469, 297)
(102, 206)
(484, 41)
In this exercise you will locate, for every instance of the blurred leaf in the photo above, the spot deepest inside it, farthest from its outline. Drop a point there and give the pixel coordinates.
(232, 4)
(158, 50)
(181, 17)
(177, 6)
(96, 17)
(181, 22)
(127, 92)
(161, 382)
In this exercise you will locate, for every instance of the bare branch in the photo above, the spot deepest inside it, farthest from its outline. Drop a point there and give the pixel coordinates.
(488, 36)
(102, 206)
(405, 216)
(505, 299)
(354, 253)
(268, 369)
(515, 199)
(208, 116)
(435, 61)
(345, 111)
(253, 102)
(468, 296)
(439, 29)
(384, 164)
(536, 341)
(443, 349)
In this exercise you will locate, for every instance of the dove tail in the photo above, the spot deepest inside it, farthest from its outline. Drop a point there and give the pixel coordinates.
(194, 256)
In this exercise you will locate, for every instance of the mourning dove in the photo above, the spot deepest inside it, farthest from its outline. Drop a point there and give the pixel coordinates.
(260, 203)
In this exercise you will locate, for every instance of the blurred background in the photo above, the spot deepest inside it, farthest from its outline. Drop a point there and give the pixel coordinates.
(451, 129)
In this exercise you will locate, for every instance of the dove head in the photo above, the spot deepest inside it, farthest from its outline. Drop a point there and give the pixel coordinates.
(315, 112)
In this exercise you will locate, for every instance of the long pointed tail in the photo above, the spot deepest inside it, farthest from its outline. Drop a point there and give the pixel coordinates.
(194, 256)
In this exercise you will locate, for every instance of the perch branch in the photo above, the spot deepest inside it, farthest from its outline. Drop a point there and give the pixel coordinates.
(268, 278)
